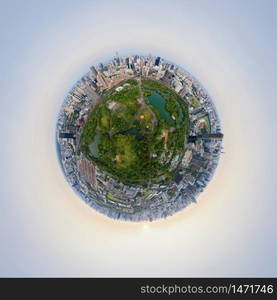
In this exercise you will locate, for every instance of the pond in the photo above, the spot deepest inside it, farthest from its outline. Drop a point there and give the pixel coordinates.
(157, 101)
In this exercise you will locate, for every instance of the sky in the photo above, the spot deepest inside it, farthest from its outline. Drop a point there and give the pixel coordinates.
(229, 47)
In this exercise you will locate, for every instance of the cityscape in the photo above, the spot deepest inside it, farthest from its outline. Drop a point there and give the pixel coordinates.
(188, 152)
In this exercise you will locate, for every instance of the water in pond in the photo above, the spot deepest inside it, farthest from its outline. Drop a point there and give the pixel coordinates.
(93, 146)
(157, 101)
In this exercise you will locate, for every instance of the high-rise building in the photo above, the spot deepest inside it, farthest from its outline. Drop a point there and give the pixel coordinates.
(212, 136)
(101, 66)
(206, 136)
(77, 96)
(66, 135)
(127, 62)
(157, 61)
(167, 78)
(93, 85)
(93, 71)
(117, 60)
(103, 80)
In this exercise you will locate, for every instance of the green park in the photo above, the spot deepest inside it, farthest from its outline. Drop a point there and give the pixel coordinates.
(137, 132)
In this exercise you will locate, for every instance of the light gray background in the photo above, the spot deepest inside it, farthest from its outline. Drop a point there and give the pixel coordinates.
(229, 46)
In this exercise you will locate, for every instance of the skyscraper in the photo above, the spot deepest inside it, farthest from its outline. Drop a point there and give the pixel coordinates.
(93, 71)
(212, 136)
(101, 66)
(157, 61)
(206, 136)
(127, 62)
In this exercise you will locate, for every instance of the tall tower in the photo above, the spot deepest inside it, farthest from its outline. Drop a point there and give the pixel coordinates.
(93, 71)
(206, 136)
(157, 61)
(117, 59)
(211, 136)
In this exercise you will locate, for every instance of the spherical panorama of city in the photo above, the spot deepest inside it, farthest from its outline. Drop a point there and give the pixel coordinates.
(138, 138)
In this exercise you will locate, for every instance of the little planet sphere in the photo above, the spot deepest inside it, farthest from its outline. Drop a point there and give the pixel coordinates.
(138, 138)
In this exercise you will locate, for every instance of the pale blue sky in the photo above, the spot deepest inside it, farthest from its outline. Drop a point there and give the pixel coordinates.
(229, 46)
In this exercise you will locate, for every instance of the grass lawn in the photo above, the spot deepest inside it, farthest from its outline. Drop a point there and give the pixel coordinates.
(104, 121)
(125, 150)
